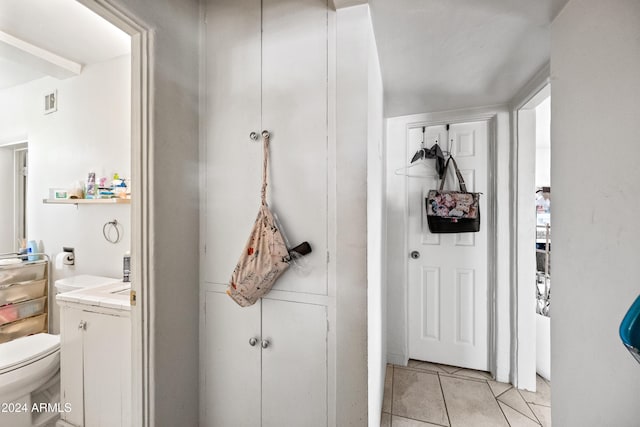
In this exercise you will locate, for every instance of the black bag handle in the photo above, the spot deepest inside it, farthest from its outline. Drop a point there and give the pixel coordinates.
(463, 186)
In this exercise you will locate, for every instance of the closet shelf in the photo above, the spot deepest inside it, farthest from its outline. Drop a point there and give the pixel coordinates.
(114, 201)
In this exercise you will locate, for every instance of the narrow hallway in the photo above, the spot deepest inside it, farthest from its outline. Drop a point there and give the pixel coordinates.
(425, 394)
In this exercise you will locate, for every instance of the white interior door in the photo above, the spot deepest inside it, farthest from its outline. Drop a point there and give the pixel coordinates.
(448, 302)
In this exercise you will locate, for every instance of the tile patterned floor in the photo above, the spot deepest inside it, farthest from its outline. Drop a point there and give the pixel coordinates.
(426, 394)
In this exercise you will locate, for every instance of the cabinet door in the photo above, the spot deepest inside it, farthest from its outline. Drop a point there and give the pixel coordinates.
(232, 366)
(71, 381)
(233, 161)
(294, 97)
(294, 365)
(107, 373)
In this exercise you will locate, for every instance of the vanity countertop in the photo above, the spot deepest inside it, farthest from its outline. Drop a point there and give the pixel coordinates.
(112, 295)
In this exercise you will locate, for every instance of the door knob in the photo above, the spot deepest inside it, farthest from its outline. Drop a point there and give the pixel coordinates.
(265, 343)
(415, 254)
(253, 341)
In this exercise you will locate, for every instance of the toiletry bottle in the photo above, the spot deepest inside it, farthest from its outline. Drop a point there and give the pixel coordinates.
(91, 186)
(126, 267)
(32, 248)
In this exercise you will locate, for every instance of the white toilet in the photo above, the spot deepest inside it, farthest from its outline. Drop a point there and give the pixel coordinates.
(29, 375)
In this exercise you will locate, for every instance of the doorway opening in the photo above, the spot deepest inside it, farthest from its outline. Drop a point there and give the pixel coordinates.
(13, 170)
(533, 237)
(543, 238)
(89, 137)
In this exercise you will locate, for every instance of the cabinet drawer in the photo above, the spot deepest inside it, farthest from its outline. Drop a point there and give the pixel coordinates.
(31, 325)
(22, 291)
(22, 273)
(13, 312)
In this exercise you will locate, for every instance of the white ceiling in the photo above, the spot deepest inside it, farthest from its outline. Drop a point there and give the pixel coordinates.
(63, 27)
(439, 55)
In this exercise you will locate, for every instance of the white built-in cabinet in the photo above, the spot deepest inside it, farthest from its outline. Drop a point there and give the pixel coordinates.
(269, 68)
(267, 364)
(95, 366)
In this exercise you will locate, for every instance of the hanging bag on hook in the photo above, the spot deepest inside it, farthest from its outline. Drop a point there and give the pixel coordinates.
(453, 211)
(265, 256)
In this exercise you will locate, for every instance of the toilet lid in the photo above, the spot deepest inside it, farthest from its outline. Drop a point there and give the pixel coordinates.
(25, 350)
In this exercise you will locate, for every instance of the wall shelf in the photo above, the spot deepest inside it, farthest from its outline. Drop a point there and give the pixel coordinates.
(114, 201)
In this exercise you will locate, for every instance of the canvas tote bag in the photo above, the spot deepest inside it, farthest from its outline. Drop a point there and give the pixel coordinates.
(264, 257)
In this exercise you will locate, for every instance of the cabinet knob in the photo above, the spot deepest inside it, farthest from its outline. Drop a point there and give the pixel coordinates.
(266, 134)
(253, 136)
(253, 341)
(265, 343)
(82, 325)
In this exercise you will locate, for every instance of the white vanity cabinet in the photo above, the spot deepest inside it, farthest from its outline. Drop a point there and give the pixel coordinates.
(266, 364)
(95, 361)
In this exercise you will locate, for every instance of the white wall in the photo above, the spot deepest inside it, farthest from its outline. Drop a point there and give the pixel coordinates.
(13, 115)
(397, 345)
(376, 237)
(89, 132)
(353, 44)
(173, 232)
(595, 103)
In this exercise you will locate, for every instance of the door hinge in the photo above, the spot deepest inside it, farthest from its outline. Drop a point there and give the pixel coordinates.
(132, 297)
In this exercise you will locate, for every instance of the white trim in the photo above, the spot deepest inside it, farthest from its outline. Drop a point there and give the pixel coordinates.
(341, 4)
(142, 188)
(332, 216)
(19, 186)
(202, 348)
(538, 82)
(32, 56)
(523, 345)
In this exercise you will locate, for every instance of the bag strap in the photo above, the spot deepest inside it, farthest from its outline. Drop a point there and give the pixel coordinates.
(463, 186)
(265, 164)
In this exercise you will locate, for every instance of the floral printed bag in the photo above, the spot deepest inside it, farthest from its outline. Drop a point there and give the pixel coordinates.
(265, 256)
(453, 211)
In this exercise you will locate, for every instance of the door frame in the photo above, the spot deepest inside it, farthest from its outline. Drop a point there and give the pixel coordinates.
(19, 190)
(490, 116)
(523, 346)
(142, 187)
